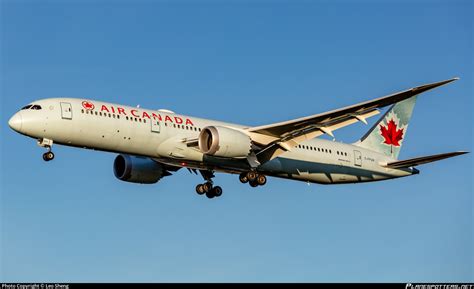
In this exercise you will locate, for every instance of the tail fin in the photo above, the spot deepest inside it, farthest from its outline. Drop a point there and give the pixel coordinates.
(388, 134)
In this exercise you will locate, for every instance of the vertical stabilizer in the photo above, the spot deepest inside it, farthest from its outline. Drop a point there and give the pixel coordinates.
(388, 134)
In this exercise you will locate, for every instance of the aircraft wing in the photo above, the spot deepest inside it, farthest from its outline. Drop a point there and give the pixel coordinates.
(275, 139)
(422, 160)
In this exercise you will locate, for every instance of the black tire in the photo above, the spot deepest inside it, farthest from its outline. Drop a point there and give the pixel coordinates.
(251, 176)
(207, 187)
(243, 178)
(253, 184)
(50, 155)
(200, 189)
(261, 180)
(217, 191)
(210, 194)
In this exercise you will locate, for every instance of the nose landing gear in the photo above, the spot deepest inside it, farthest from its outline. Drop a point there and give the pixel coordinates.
(48, 156)
(47, 143)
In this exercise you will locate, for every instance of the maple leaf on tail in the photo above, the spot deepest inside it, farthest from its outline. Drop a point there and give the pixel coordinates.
(390, 133)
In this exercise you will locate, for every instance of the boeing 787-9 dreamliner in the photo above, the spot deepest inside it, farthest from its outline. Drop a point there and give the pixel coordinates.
(152, 144)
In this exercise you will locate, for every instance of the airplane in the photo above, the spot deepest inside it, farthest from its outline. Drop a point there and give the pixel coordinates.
(152, 144)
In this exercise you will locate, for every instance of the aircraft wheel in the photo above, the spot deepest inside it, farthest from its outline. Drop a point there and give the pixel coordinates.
(217, 191)
(253, 183)
(48, 156)
(261, 180)
(210, 194)
(207, 187)
(243, 178)
(200, 189)
(251, 176)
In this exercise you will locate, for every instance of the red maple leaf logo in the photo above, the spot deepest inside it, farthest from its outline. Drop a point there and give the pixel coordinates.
(390, 133)
(88, 105)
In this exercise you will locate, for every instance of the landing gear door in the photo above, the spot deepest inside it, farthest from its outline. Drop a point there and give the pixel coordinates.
(357, 158)
(66, 110)
(155, 125)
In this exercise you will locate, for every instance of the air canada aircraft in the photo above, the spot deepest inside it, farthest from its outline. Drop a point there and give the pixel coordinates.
(152, 144)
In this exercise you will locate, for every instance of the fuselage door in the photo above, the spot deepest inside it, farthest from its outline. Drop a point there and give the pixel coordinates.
(66, 110)
(357, 158)
(155, 125)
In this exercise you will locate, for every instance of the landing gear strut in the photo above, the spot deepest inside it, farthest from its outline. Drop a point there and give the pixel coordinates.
(47, 143)
(208, 187)
(253, 178)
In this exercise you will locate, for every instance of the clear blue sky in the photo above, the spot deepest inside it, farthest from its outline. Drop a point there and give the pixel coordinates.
(252, 63)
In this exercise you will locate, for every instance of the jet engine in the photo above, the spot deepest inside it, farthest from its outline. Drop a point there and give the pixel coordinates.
(137, 169)
(224, 142)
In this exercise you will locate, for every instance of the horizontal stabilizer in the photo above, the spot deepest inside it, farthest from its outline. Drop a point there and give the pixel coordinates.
(422, 160)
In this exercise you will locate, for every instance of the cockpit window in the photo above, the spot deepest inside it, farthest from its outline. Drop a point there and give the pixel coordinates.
(36, 107)
(27, 107)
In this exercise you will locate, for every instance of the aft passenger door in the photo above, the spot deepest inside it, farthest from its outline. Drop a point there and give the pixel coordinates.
(155, 126)
(66, 110)
(357, 158)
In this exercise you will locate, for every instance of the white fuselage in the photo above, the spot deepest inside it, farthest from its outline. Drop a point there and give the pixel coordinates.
(162, 135)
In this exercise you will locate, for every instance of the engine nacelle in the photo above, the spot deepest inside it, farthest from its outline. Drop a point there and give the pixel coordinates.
(224, 142)
(137, 169)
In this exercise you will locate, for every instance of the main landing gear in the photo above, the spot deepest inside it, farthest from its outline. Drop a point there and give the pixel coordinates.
(253, 178)
(208, 187)
(46, 143)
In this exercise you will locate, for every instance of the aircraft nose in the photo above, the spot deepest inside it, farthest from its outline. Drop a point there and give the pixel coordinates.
(16, 122)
